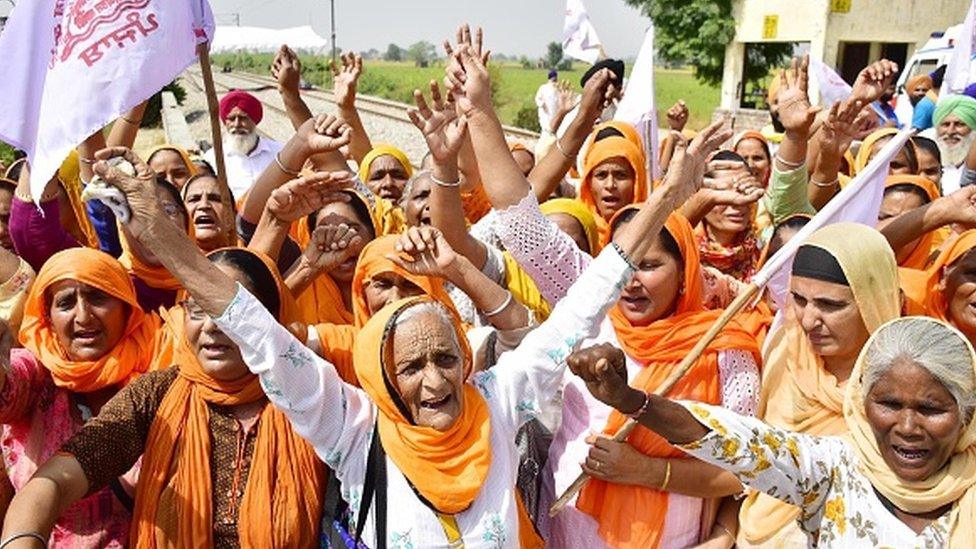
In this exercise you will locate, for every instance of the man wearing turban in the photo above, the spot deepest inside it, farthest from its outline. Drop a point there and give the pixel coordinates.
(246, 153)
(954, 119)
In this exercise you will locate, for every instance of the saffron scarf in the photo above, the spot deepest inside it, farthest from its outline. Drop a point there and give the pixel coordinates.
(131, 356)
(924, 290)
(581, 213)
(80, 226)
(282, 501)
(798, 393)
(953, 483)
(919, 255)
(633, 516)
(598, 153)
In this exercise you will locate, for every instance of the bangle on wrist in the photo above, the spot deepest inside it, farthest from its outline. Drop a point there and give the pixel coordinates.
(500, 308)
(88, 161)
(623, 255)
(130, 121)
(788, 164)
(20, 535)
(282, 167)
(445, 183)
(667, 475)
(562, 151)
(829, 185)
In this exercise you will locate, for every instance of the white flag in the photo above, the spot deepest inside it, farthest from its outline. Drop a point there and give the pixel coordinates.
(833, 88)
(957, 70)
(858, 202)
(638, 107)
(73, 66)
(579, 37)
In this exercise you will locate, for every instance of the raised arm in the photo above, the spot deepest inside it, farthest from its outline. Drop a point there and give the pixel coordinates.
(126, 127)
(323, 134)
(37, 234)
(959, 207)
(428, 254)
(344, 83)
(796, 114)
(287, 71)
(737, 188)
(833, 139)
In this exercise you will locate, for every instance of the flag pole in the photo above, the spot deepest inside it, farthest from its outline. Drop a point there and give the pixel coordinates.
(748, 293)
(203, 52)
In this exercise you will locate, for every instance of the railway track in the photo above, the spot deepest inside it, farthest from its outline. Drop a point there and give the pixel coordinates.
(385, 120)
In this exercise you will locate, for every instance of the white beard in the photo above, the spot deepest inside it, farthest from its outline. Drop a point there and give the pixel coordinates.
(241, 144)
(953, 155)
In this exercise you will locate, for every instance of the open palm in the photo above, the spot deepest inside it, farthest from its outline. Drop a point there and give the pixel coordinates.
(441, 127)
(795, 111)
(300, 197)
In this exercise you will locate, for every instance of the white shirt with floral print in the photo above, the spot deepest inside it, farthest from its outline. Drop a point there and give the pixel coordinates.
(820, 475)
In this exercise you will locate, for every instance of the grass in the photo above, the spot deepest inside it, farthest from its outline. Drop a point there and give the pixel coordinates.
(514, 87)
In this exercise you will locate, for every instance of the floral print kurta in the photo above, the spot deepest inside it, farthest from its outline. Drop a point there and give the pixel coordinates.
(820, 475)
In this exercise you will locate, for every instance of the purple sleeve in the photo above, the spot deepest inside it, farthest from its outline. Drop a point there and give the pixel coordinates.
(38, 234)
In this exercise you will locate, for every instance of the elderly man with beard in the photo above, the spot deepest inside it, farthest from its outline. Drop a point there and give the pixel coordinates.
(954, 120)
(246, 153)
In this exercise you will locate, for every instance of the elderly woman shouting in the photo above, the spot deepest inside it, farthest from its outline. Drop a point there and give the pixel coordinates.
(905, 475)
(449, 440)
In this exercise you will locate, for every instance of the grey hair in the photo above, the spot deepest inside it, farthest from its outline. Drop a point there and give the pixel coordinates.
(428, 307)
(408, 188)
(941, 350)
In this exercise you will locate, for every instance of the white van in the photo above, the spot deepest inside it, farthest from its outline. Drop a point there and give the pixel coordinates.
(936, 52)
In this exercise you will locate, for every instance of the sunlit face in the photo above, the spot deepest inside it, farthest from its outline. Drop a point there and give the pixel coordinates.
(653, 291)
(169, 164)
(915, 420)
(829, 316)
(959, 288)
(218, 355)
(525, 161)
(6, 197)
(385, 288)
(919, 91)
(754, 153)
(929, 166)
(730, 219)
(87, 322)
(952, 129)
(897, 202)
(387, 177)
(415, 205)
(337, 213)
(571, 226)
(424, 361)
(239, 122)
(211, 213)
(612, 185)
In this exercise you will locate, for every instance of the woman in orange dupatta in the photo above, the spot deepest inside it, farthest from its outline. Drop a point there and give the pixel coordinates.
(84, 337)
(851, 289)
(614, 174)
(904, 193)
(655, 338)
(220, 466)
(947, 288)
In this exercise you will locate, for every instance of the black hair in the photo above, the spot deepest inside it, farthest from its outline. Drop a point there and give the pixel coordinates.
(13, 172)
(911, 156)
(609, 131)
(8, 184)
(795, 223)
(174, 193)
(668, 242)
(726, 154)
(199, 176)
(616, 66)
(908, 188)
(258, 278)
(929, 146)
(359, 206)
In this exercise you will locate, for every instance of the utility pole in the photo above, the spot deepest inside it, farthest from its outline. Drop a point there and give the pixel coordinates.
(332, 2)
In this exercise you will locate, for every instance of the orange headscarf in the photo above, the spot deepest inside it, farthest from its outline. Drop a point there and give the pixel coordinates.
(923, 288)
(448, 468)
(191, 168)
(864, 152)
(69, 174)
(920, 254)
(338, 340)
(131, 356)
(154, 276)
(282, 501)
(765, 143)
(598, 153)
(633, 516)
(321, 302)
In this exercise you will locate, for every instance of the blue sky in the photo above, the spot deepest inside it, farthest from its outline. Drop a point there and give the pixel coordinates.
(511, 26)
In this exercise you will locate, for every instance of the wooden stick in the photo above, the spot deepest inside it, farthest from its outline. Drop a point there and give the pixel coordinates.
(743, 298)
(214, 110)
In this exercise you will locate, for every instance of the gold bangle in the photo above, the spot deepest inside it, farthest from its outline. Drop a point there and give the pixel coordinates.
(667, 476)
(559, 147)
(830, 185)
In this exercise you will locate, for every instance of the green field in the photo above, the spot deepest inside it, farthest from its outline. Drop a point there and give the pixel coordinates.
(514, 87)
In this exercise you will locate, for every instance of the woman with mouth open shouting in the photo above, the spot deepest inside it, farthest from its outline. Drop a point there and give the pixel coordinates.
(904, 475)
(413, 368)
